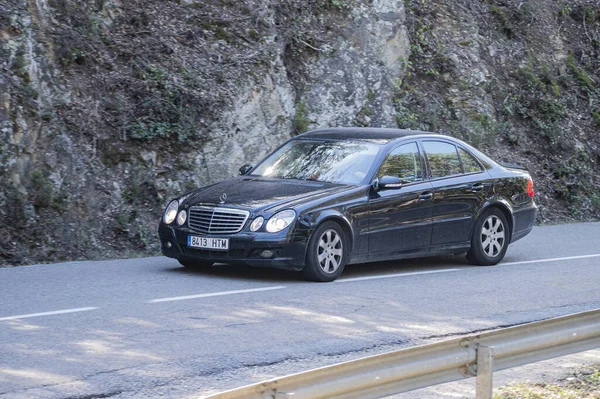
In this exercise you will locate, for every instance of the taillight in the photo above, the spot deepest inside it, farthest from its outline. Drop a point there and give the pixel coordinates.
(530, 190)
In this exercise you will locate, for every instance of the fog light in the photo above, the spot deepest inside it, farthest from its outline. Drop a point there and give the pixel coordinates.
(266, 254)
(168, 244)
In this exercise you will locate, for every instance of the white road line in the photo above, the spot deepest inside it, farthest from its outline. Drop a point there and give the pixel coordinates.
(345, 280)
(25, 316)
(452, 270)
(207, 295)
(550, 260)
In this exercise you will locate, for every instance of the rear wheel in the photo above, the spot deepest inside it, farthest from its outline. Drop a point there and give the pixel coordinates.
(327, 253)
(490, 239)
(194, 264)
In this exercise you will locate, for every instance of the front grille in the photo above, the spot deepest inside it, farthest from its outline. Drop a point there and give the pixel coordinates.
(209, 220)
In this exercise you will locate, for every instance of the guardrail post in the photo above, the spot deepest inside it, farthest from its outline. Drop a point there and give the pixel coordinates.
(485, 369)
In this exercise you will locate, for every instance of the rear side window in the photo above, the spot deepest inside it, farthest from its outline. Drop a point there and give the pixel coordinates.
(469, 162)
(403, 162)
(442, 158)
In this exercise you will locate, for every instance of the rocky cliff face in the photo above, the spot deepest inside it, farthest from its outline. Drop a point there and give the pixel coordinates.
(109, 108)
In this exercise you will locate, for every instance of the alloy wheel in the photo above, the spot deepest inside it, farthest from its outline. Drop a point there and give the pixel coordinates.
(492, 236)
(330, 251)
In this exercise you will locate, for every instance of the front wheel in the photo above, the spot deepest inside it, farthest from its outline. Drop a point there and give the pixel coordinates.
(490, 239)
(327, 253)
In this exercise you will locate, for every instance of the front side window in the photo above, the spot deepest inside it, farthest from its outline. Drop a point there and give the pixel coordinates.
(346, 162)
(442, 158)
(469, 162)
(403, 162)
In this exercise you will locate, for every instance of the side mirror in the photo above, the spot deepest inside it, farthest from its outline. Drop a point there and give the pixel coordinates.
(244, 169)
(386, 182)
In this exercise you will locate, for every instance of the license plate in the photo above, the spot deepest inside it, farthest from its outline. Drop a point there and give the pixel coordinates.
(217, 244)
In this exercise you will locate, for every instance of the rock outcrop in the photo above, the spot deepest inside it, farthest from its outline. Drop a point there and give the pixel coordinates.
(110, 108)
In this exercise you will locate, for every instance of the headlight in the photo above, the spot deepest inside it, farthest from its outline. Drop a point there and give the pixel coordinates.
(256, 223)
(171, 212)
(280, 221)
(181, 218)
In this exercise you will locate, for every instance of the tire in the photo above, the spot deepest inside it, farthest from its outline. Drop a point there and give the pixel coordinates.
(490, 238)
(194, 264)
(327, 253)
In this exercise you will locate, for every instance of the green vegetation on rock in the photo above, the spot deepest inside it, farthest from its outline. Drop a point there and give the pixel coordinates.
(301, 122)
(525, 91)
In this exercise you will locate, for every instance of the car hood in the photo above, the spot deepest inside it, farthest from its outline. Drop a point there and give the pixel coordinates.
(261, 194)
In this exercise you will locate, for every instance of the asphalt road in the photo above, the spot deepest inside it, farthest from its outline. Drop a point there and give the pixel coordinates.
(146, 327)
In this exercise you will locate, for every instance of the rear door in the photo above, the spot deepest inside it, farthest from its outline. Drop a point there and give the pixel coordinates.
(400, 218)
(460, 186)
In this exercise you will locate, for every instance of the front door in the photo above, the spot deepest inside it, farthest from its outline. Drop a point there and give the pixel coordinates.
(400, 218)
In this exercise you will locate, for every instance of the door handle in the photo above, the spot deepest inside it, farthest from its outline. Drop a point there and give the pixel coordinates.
(477, 187)
(425, 196)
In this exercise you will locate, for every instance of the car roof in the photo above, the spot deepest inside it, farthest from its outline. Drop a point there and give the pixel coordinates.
(362, 133)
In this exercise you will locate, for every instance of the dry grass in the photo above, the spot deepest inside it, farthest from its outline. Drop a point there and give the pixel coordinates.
(585, 384)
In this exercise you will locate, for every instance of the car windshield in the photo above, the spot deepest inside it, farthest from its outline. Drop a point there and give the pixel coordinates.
(345, 162)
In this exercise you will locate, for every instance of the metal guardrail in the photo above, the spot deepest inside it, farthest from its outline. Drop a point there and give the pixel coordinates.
(404, 370)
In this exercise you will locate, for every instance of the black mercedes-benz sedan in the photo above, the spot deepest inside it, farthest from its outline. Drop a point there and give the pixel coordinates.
(333, 197)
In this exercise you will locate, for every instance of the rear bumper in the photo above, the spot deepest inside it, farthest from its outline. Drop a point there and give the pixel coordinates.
(523, 222)
(245, 248)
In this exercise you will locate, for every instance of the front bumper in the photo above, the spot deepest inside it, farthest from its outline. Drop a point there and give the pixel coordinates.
(289, 249)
